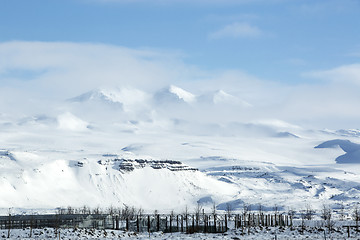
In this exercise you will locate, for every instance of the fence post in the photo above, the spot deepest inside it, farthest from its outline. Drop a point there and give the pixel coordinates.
(197, 221)
(148, 224)
(235, 222)
(225, 222)
(275, 220)
(170, 223)
(205, 223)
(166, 222)
(265, 219)
(137, 223)
(182, 223)
(208, 223)
(177, 222)
(280, 222)
(158, 223)
(215, 223)
(127, 224)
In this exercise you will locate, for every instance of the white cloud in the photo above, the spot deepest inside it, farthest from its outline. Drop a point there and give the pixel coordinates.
(236, 30)
(343, 74)
(64, 69)
(68, 121)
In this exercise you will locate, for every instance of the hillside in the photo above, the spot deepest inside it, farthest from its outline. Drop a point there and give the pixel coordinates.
(169, 155)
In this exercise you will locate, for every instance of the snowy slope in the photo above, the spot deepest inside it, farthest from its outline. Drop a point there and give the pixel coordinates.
(41, 183)
(222, 97)
(127, 98)
(73, 155)
(98, 95)
(174, 94)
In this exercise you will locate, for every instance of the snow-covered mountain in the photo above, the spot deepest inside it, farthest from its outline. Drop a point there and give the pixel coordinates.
(226, 170)
(131, 99)
(165, 150)
(174, 94)
(127, 98)
(99, 95)
(222, 97)
(101, 180)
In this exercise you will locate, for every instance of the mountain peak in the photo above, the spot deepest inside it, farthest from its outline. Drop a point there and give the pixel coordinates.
(98, 95)
(182, 94)
(128, 98)
(222, 97)
(175, 94)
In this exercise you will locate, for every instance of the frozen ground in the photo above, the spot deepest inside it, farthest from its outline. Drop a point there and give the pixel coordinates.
(270, 233)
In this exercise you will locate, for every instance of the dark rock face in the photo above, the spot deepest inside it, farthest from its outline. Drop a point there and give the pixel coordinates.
(128, 165)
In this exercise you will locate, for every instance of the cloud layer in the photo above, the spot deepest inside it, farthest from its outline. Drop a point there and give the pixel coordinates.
(36, 77)
(343, 74)
(236, 30)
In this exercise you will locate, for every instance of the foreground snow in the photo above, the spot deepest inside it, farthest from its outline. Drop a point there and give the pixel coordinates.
(268, 233)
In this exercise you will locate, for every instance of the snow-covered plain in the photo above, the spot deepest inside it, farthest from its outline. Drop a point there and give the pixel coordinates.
(72, 156)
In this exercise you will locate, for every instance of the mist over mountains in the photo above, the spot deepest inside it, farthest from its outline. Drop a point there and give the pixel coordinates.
(141, 80)
(169, 108)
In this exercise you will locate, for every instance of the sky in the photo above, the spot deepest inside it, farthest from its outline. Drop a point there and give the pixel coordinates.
(298, 58)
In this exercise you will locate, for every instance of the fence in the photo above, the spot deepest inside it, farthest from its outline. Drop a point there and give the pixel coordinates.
(208, 223)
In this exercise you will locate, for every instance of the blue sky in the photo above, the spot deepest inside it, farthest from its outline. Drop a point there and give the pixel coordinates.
(273, 39)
